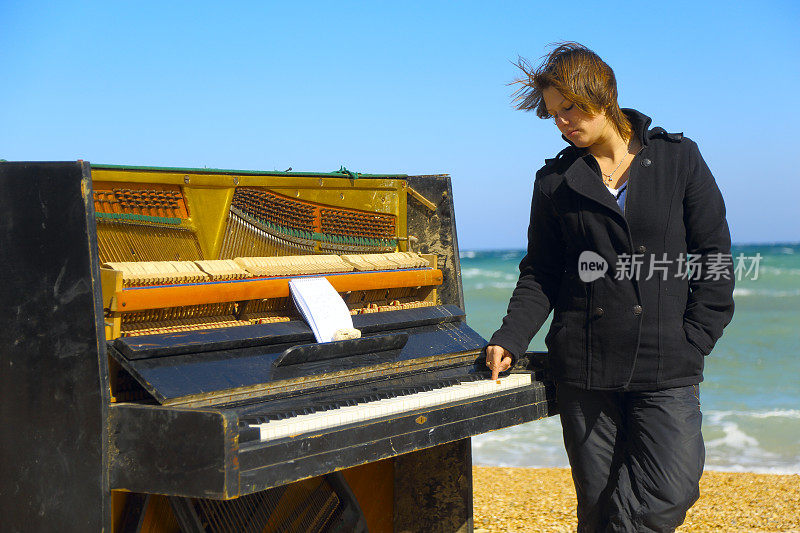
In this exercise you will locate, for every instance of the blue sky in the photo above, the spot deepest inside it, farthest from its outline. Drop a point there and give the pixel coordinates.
(411, 87)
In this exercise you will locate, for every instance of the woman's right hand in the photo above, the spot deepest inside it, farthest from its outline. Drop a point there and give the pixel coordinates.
(498, 359)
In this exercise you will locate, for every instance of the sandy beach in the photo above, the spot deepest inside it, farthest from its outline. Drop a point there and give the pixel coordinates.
(543, 500)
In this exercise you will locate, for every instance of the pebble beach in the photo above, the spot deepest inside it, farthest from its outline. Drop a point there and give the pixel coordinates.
(543, 500)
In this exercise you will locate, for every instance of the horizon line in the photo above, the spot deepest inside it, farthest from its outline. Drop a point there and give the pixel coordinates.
(752, 243)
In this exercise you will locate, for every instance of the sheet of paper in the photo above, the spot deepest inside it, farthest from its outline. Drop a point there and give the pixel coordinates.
(321, 306)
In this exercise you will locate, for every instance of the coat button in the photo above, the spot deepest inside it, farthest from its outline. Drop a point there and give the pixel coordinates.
(637, 309)
(641, 248)
(598, 312)
(646, 162)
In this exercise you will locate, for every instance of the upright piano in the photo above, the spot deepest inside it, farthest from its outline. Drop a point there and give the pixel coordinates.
(156, 376)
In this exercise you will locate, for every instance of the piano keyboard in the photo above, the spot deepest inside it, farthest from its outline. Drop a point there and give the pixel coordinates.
(375, 406)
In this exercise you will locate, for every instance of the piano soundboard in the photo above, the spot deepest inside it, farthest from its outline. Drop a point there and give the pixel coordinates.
(162, 380)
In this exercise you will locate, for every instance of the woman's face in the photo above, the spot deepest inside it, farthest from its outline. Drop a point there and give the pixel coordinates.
(582, 129)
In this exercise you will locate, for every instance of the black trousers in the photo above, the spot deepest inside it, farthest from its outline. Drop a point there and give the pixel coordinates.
(636, 457)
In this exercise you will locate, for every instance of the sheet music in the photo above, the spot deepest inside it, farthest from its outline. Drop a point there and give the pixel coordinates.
(321, 306)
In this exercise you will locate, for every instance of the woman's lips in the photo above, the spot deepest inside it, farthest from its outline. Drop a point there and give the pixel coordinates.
(573, 132)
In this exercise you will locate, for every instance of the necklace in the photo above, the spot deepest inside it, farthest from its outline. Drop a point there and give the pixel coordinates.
(610, 176)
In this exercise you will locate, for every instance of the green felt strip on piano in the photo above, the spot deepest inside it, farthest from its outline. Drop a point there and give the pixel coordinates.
(138, 218)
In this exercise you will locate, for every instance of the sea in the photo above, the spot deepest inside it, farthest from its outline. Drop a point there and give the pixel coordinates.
(750, 398)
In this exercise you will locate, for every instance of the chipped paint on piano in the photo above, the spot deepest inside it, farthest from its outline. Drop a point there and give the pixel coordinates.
(201, 393)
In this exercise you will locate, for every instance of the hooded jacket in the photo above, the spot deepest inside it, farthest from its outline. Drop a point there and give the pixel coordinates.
(639, 327)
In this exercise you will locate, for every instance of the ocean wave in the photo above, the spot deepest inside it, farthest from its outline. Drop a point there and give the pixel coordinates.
(510, 255)
(750, 459)
(772, 293)
(734, 438)
(468, 254)
(778, 271)
(718, 415)
(494, 285)
(475, 272)
(735, 446)
(536, 444)
(787, 413)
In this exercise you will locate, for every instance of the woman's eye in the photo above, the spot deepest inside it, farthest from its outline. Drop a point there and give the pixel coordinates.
(561, 113)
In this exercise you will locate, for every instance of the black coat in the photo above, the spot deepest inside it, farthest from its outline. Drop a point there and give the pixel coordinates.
(625, 333)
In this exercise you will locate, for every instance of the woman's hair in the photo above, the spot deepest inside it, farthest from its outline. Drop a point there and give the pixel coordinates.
(580, 76)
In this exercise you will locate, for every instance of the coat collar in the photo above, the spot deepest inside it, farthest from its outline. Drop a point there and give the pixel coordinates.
(583, 179)
(640, 123)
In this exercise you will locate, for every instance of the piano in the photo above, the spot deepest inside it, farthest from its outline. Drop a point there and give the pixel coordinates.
(156, 376)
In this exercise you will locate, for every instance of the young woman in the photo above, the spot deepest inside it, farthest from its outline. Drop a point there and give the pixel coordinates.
(627, 344)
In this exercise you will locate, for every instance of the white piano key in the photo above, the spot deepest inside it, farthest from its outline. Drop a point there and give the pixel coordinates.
(301, 424)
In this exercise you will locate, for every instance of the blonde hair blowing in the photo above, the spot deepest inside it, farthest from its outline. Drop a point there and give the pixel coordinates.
(580, 76)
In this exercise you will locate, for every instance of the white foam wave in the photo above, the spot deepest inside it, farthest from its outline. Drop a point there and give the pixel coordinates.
(536, 443)
(787, 413)
(468, 254)
(778, 271)
(748, 459)
(734, 448)
(738, 291)
(716, 416)
(474, 272)
(495, 285)
(510, 255)
(734, 438)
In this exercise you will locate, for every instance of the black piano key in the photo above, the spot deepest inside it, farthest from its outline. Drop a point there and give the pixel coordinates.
(368, 398)
(244, 422)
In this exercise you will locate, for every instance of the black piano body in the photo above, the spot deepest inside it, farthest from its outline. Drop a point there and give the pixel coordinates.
(182, 446)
